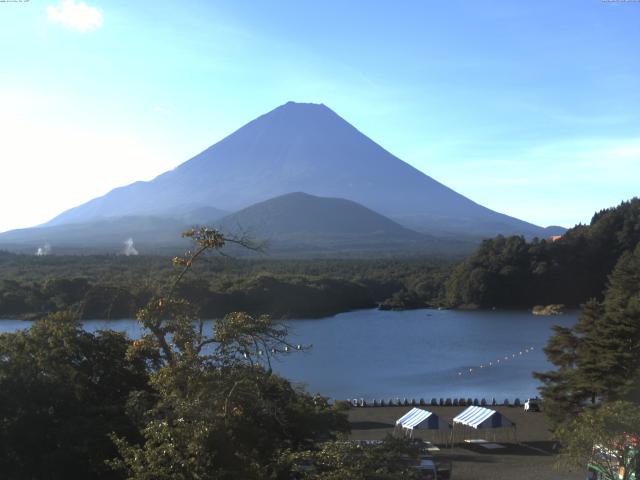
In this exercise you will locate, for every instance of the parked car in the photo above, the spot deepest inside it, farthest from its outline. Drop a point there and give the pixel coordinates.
(532, 405)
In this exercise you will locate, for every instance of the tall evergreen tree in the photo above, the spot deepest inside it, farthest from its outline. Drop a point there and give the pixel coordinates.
(598, 359)
(620, 333)
(561, 397)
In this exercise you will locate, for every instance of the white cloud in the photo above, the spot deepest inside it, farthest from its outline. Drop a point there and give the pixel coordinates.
(75, 16)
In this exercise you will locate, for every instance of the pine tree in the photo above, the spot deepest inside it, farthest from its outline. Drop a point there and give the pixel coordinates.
(620, 333)
(598, 359)
(560, 396)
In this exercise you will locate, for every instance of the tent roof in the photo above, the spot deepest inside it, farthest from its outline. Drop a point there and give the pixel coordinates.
(408, 415)
(480, 417)
(418, 418)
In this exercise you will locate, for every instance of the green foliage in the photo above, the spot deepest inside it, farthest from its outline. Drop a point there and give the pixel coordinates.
(217, 410)
(599, 357)
(510, 272)
(109, 287)
(391, 459)
(180, 403)
(62, 392)
(610, 429)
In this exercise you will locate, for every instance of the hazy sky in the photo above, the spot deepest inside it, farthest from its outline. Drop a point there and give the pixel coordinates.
(531, 108)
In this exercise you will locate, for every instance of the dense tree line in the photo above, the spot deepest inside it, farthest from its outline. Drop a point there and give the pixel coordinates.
(179, 403)
(593, 395)
(109, 287)
(63, 391)
(511, 272)
(597, 359)
(504, 272)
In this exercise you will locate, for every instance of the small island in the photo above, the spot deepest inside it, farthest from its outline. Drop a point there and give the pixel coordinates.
(548, 310)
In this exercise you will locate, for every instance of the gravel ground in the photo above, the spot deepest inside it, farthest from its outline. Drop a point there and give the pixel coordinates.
(529, 457)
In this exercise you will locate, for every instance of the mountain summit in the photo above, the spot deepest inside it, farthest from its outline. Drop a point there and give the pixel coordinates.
(302, 147)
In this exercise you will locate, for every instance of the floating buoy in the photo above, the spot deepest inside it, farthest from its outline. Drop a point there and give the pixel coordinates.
(497, 362)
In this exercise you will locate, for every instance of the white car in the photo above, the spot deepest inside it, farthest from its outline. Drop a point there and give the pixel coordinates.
(531, 405)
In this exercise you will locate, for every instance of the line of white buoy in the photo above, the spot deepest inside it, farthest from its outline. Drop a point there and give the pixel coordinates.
(496, 363)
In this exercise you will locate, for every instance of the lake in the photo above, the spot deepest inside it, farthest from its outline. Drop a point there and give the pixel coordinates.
(375, 354)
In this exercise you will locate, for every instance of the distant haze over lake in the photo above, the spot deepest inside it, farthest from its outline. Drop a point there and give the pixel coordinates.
(297, 147)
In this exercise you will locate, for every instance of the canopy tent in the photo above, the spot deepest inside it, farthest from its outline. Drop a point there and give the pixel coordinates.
(419, 419)
(408, 415)
(480, 418)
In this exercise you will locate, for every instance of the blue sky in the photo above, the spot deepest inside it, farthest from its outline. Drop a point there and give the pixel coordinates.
(531, 108)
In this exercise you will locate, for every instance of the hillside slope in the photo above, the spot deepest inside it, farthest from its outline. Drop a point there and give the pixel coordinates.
(510, 272)
(309, 148)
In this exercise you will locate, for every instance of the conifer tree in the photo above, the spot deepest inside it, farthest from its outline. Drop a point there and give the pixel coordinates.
(598, 359)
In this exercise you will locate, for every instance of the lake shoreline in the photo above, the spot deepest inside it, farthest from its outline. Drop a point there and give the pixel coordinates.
(32, 317)
(377, 354)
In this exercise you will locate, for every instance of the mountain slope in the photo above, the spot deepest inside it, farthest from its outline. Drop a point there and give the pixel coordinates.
(303, 147)
(99, 235)
(293, 225)
(296, 214)
(299, 223)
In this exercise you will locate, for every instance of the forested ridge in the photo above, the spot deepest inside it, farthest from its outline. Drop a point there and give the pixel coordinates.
(509, 272)
(598, 358)
(101, 405)
(178, 403)
(110, 286)
(504, 272)
(592, 396)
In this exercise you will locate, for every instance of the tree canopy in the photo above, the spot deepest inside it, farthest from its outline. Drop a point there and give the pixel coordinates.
(606, 438)
(185, 401)
(598, 359)
(511, 272)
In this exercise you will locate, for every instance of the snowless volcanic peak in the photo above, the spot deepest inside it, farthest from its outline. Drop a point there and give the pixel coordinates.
(303, 147)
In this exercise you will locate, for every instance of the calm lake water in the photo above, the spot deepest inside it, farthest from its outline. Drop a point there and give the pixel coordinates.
(417, 354)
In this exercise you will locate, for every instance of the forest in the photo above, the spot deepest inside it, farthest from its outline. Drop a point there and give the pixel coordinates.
(513, 273)
(174, 404)
(110, 287)
(504, 272)
(598, 358)
(180, 404)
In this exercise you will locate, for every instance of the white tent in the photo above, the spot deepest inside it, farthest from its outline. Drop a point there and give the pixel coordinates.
(419, 419)
(480, 418)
